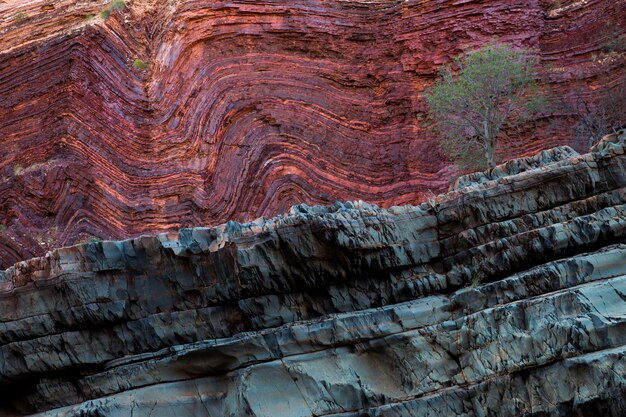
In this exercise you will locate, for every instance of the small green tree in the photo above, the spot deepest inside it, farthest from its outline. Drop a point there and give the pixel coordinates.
(478, 97)
(111, 7)
(141, 64)
(21, 16)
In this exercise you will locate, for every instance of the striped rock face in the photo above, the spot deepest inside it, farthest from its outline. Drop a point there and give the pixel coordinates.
(167, 114)
(504, 297)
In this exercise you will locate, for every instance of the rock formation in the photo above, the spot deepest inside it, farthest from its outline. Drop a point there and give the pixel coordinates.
(504, 297)
(169, 114)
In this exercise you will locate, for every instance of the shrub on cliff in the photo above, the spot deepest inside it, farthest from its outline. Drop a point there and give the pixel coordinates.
(20, 17)
(601, 112)
(113, 6)
(140, 64)
(480, 96)
(599, 116)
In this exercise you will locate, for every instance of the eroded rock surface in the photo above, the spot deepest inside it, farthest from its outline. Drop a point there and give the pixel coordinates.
(244, 108)
(504, 297)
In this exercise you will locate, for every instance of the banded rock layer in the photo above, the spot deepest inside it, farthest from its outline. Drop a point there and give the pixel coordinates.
(503, 297)
(246, 107)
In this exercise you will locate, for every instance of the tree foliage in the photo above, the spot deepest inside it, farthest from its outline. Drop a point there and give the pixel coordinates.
(111, 7)
(141, 64)
(478, 97)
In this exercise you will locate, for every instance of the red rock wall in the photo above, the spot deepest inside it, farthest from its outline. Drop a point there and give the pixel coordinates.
(246, 107)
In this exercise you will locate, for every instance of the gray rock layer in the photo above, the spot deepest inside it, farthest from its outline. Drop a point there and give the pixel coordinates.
(504, 297)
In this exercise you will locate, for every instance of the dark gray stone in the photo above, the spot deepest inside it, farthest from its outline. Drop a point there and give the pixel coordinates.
(504, 297)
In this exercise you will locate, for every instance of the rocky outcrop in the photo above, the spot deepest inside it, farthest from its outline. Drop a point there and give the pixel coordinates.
(504, 297)
(240, 109)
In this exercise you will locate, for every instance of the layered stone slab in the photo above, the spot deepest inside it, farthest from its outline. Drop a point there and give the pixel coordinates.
(505, 296)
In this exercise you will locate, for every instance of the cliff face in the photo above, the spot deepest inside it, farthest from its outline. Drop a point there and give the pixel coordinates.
(503, 297)
(245, 107)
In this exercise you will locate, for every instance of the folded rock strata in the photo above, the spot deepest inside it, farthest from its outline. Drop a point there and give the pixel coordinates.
(248, 107)
(504, 297)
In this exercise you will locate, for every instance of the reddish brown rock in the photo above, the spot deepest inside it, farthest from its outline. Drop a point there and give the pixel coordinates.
(503, 297)
(246, 107)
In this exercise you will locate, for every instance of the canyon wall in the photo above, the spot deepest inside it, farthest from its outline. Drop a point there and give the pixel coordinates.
(504, 297)
(245, 108)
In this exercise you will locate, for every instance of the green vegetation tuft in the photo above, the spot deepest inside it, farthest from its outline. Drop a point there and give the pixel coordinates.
(18, 170)
(475, 281)
(89, 17)
(138, 63)
(113, 6)
(21, 16)
(3, 228)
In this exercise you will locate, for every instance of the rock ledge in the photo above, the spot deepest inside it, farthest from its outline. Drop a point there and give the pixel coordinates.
(504, 297)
